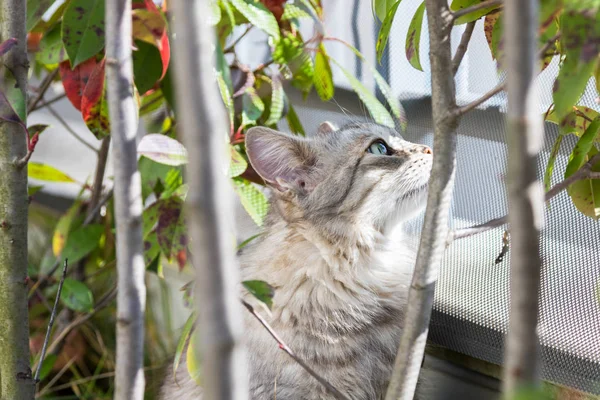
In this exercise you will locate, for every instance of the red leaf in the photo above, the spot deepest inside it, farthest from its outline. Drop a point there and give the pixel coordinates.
(165, 52)
(181, 258)
(92, 93)
(75, 81)
(150, 26)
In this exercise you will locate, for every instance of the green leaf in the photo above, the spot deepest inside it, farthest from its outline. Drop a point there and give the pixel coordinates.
(63, 227)
(581, 31)
(474, 16)
(225, 84)
(376, 109)
(585, 194)
(383, 7)
(214, 12)
(287, 49)
(247, 241)
(291, 11)
(253, 107)
(238, 164)
(277, 102)
(384, 31)
(13, 107)
(162, 149)
(261, 290)
(323, 79)
(183, 339)
(171, 230)
(81, 242)
(44, 172)
(52, 50)
(551, 161)
(193, 363)
(47, 365)
(147, 66)
(77, 296)
(413, 38)
(254, 201)
(576, 122)
(83, 29)
(259, 16)
(293, 121)
(35, 10)
(32, 190)
(151, 102)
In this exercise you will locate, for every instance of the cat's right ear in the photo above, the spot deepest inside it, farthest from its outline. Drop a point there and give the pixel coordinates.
(283, 161)
(326, 128)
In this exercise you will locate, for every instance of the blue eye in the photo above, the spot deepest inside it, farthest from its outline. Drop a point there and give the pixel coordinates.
(379, 148)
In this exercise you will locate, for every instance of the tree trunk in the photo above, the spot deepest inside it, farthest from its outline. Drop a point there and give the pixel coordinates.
(209, 207)
(131, 298)
(16, 380)
(525, 193)
(435, 228)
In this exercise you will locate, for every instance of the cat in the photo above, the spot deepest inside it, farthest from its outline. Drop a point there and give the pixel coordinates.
(334, 251)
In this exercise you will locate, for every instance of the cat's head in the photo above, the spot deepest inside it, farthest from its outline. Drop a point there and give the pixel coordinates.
(362, 175)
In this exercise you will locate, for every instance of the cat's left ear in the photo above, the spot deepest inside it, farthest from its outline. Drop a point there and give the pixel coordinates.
(283, 161)
(326, 128)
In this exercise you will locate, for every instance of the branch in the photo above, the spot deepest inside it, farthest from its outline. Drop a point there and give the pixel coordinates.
(465, 109)
(69, 129)
(131, 301)
(51, 323)
(585, 172)
(48, 102)
(42, 90)
(462, 47)
(289, 352)
(435, 227)
(231, 47)
(220, 322)
(477, 7)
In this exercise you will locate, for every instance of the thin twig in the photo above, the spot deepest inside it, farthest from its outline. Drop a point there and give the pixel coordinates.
(42, 90)
(236, 41)
(462, 47)
(51, 323)
(289, 352)
(48, 102)
(477, 7)
(69, 129)
(551, 42)
(465, 109)
(585, 172)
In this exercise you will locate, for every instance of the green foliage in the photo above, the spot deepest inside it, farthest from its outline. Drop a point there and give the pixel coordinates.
(262, 291)
(413, 38)
(83, 29)
(77, 296)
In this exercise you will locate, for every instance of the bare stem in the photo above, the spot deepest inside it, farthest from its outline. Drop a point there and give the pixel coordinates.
(465, 109)
(293, 355)
(64, 123)
(585, 172)
(463, 46)
(42, 90)
(51, 323)
(477, 7)
(45, 103)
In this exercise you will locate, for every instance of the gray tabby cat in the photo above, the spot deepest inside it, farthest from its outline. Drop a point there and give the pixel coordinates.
(332, 251)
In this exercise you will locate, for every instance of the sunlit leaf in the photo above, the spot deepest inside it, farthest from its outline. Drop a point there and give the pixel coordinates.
(323, 78)
(489, 24)
(83, 29)
(261, 290)
(183, 339)
(63, 227)
(413, 38)
(150, 26)
(238, 164)
(254, 201)
(162, 149)
(259, 16)
(94, 106)
(551, 161)
(473, 16)
(294, 121)
(152, 101)
(77, 296)
(376, 109)
(292, 11)
(75, 80)
(52, 50)
(277, 102)
(35, 10)
(384, 31)
(576, 122)
(383, 7)
(253, 107)
(214, 14)
(44, 172)
(193, 363)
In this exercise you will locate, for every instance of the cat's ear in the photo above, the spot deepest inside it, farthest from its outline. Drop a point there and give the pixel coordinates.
(325, 128)
(283, 161)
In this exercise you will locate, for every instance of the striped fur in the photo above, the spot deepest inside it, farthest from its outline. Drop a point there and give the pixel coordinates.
(334, 252)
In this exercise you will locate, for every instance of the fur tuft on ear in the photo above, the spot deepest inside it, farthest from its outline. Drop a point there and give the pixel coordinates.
(283, 161)
(326, 127)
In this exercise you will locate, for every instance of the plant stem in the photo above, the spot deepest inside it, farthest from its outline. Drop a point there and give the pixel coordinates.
(64, 123)
(479, 6)
(463, 46)
(42, 90)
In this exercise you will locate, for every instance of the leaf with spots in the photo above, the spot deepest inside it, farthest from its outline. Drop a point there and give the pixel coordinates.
(74, 80)
(576, 122)
(581, 35)
(83, 29)
(376, 109)
(253, 200)
(7, 112)
(473, 16)
(94, 107)
(585, 194)
(150, 26)
(323, 78)
(413, 38)
(52, 50)
(77, 296)
(384, 31)
(489, 24)
(35, 11)
(259, 16)
(13, 106)
(261, 290)
(171, 230)
(147, 66)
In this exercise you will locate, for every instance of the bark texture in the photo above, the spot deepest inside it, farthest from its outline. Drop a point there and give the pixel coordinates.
(205, 130)
(131, 298)
(525, 193)
(435, 228)
(16, 382)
